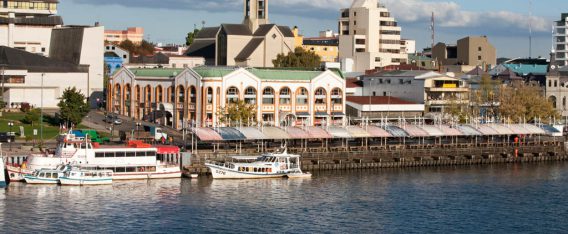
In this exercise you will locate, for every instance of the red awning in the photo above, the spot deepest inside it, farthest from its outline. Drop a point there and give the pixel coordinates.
(167, 150)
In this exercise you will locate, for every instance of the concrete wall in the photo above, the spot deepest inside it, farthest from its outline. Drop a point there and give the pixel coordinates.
(34, 39)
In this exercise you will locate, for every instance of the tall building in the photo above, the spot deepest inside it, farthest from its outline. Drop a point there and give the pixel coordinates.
(369, 36)
(469, 51)
(134, 34)
(253, 43)
(27, 25)
(561, 40)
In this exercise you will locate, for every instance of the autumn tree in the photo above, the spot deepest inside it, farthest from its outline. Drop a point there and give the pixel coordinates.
(239, 113)
(524, 103)
(300, 58)
(191, 36)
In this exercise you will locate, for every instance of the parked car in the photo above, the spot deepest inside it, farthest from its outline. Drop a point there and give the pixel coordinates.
(117, 121)
(7, 137)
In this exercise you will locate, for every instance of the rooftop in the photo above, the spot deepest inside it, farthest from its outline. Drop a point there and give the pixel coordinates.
(526, 69)
(22, 60)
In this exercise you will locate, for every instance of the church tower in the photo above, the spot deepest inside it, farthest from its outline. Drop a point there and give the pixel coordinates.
(256, 13)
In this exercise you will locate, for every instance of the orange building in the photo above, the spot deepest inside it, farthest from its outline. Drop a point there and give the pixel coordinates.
(134, 34)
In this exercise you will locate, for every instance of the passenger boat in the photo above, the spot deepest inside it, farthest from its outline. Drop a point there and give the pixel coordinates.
(47, 176)
(271, 165)
(84, 176)
(134, 161)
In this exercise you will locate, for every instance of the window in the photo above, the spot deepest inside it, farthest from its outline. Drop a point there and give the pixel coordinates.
(479, 57)
(388, 81)
(479, 49)
(268, 96)
(360, 50)
(354, 22)
(209, 95)
(377, 59)
(285, 96)
(250, 96)
(42, 49)
(302, 96)
(336, 96)
(321, 96)
(555, 83)
(354, 13)
(232, 95)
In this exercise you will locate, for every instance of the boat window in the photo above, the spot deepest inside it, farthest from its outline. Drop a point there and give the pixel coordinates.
(141, 154)
(99, 155)
(151, 154)
(130, 154)
(119, 154)
(120, 169)
(109, 155)
(151, 169)
(131, 169)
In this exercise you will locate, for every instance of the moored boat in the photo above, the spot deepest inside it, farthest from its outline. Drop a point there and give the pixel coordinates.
(134, 161)
(272, 165)
(84, 176)
(2, 173)
(47, 176)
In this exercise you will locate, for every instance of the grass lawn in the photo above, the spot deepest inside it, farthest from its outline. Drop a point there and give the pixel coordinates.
(49, 131)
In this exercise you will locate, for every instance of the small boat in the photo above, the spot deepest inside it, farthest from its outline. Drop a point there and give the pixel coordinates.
(272, 165)
(83, 176)
(299, 175)
(47, 176)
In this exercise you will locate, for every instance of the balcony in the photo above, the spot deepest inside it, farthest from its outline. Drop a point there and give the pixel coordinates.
(321, 107)
(446, 102)
(442, 89)
(302, 108)
(337, 108)
(268, 108)
(286, 108)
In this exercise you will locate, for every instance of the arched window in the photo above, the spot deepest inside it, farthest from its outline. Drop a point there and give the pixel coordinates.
(268, 96)
(193, 94)
(321, 96)
(285, 96)
(552, 99)
(209, 95)
(232, 95)
(250, 96)
(118, 93)
(564, 103)
(171, 94)
(137, 93)
(181, 94)
(336, 96)
(148, 95)
(159, 94)
(302, 96)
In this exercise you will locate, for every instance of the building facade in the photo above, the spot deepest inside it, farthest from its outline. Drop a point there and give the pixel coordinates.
(369, 36)
(115, 58)
(326, 47)
(469, 51)
(557, 86)
(27, 25)
(134, 34)
(436, 91)
(253, 43)
(561, 40)
(197, 96)
(378, 107)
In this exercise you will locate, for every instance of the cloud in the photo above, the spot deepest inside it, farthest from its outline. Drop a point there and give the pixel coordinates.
(449, 14)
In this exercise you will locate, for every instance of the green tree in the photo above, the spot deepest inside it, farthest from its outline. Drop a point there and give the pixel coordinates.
(73, 106)
(238, 113)
(299, 58)
(32, 117)
(191, 36)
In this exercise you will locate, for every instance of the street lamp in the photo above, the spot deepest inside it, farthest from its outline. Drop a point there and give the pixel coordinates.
(10, 124)
(138, 124)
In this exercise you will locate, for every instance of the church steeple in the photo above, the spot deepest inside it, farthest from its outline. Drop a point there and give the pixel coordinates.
(256, 13)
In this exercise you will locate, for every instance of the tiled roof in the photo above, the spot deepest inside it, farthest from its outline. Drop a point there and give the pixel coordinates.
(19, 59)
(286, 31)
(378, 100)
(236, 29)
(210, 32)
(353, 83)
(249, 49)
(214, 71)
(263, 29)
(525, 69)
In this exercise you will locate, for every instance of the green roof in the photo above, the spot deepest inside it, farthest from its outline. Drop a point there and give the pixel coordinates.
(261, 73)
(156, 72)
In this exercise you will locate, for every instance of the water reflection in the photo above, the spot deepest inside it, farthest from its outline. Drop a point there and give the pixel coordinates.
(452, 199)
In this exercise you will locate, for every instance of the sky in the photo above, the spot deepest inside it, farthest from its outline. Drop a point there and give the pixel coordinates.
(504, 22)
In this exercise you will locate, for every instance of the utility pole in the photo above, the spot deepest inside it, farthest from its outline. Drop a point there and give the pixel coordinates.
(433, 28)
(41, 112)
(3, 78)
(530, 28)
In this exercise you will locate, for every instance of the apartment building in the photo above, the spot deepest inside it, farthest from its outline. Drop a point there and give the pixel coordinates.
(27, 25)
(369, 36)
(469, 52)
(134, 34)
(561, 40)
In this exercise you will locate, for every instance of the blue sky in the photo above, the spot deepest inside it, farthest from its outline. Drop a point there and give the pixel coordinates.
(503, 21)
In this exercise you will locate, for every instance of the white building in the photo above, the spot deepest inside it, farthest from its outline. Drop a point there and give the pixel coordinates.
(408, 46)
(119, 52)
(561, 40)
(382, 107)
(370, 36)
(27, 25)
(26, 76)
(432, 89)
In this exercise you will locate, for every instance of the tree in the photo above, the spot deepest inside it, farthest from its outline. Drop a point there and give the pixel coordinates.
(300, 58)
(525, 103)
(239, 113)
(32, 117)
(145, 48)
(191, 36)
(73, 106)
(128, 45)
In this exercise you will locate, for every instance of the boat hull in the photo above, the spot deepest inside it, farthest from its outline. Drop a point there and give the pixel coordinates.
(84, 182)
(18, 175)
(2, 174)
(36, 180)
(224, 173)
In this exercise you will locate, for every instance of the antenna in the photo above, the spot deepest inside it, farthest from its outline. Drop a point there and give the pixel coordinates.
(530, 28)
(433, 28)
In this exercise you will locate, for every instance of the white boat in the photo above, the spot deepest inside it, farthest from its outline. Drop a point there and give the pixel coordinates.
(299, 175)
(83, 176)
(2, 173)
(47, 176)
(272, 165)
(134, 161)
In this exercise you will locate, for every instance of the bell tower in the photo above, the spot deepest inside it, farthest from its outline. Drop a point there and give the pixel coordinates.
(256, 13)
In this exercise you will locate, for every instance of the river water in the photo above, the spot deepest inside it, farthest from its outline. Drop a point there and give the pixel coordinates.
(481, 199)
